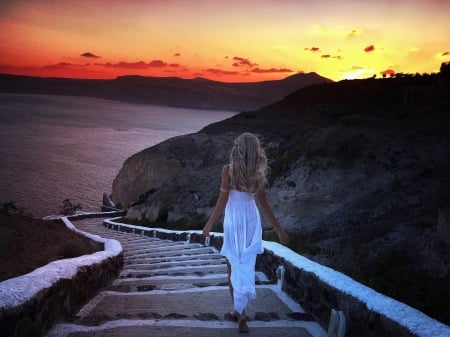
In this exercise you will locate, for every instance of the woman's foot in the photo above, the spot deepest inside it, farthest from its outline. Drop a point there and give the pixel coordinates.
(234, 315)
(242, 321)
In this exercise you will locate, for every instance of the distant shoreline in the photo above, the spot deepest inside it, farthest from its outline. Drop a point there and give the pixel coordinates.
(199, 94)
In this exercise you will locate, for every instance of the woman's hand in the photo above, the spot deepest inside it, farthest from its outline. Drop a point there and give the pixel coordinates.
(206, 231)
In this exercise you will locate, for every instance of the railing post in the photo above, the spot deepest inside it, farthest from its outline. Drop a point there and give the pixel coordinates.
(280, 276)
(337, 324)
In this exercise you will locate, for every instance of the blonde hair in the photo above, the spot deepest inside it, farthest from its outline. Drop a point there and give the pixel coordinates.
(248, 164)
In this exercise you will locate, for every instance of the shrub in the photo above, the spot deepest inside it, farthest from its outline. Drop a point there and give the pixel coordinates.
(10, 208)
(68, 208)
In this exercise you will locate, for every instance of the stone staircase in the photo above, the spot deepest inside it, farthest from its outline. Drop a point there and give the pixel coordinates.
(169, 288)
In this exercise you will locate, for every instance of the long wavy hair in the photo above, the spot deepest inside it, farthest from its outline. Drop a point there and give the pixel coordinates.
(248, 164)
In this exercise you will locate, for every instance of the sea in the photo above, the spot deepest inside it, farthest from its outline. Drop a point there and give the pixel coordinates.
(64, 147)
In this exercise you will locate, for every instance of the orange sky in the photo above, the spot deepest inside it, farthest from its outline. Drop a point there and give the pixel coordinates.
(232, 40)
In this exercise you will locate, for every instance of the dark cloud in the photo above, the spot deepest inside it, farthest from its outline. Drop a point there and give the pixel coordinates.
(60, 65)
(157, 63)
(242, 62)
(313, 49)
(88, 54)
(126, 65)
(138, 65)
(369, 48)
(271, 70)
(177, 54)
(220, 72)
(327, 56)
(447, 53)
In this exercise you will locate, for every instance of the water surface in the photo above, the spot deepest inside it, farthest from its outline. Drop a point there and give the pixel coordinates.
(58, 147)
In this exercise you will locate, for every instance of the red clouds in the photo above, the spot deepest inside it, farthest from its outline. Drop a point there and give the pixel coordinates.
(60, 65)
(138, 65)
(122, 64)
(369, 48)
(157, 63)
(221, 72)
(234, 68)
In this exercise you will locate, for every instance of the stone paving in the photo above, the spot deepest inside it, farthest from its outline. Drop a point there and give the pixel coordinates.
(169, 288)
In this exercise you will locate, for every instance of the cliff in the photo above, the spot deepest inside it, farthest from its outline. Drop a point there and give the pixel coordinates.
(360, 177)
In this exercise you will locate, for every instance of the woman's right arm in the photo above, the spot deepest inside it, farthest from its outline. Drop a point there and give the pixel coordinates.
(221, 200)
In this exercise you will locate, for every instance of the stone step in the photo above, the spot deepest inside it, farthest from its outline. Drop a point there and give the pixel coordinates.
(180, 271)
(153, 248)
(168, 283)
(176, 289)
(213, 303)
(173, 264)
(147, 260)
(165, 253)
(183, 328)
(153, 243)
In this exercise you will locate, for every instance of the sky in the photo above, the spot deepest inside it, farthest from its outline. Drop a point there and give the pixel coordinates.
(231, 41)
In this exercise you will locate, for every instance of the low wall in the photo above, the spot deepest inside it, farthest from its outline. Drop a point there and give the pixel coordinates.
(318, 289)
(30, 304)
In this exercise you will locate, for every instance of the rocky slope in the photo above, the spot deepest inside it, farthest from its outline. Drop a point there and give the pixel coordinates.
(360, 177)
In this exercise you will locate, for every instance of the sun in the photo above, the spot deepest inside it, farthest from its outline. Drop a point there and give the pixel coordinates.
(357, 73)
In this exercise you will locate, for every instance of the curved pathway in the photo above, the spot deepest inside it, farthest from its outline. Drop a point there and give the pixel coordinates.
(169, 288)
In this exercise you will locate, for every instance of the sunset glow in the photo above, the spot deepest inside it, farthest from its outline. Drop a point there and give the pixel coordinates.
(230, 41)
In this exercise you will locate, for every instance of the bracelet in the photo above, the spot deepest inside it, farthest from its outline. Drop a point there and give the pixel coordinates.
(223, 190)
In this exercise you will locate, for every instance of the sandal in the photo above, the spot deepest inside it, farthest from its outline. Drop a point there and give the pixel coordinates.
(242, 321)
(243, 328)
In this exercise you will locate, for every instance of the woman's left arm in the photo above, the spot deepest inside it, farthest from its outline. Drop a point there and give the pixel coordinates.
(267, 210)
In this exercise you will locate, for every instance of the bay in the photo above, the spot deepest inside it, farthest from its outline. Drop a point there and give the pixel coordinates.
(58, 147)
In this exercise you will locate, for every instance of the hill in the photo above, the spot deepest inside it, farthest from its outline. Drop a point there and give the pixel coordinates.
(360, 178)
(196, 93)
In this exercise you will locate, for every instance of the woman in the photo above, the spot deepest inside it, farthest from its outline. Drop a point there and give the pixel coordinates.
(243, 180)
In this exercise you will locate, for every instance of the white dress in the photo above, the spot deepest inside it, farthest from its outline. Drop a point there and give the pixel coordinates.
(241, 243)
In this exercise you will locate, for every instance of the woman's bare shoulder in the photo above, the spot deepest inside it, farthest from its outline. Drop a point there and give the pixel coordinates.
(226, 169)
(225, 185)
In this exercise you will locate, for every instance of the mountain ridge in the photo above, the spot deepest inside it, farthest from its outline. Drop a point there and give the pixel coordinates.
(198, 93)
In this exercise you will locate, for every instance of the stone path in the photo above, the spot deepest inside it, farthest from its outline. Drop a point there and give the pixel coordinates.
(171, 288)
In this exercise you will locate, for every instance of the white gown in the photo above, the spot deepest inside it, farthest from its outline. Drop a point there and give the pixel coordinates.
(242, 242)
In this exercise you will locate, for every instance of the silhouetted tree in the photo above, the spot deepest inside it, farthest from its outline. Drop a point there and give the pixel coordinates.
(445, 70)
